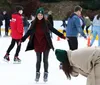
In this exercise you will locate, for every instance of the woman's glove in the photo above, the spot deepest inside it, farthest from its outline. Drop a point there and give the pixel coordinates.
(60, 66)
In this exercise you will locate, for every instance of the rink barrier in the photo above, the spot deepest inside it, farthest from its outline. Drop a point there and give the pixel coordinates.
(60, 30)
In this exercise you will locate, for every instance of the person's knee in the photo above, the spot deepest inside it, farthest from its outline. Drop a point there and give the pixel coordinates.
(45, 61)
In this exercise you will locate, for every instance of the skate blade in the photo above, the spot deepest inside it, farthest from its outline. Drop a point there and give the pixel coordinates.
(6, 60)
(15, 62)
(45, 80)
(37, 80)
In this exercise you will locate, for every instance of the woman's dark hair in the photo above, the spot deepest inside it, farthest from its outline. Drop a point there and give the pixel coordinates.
(67, 68)
(33, 23)
(98, 16)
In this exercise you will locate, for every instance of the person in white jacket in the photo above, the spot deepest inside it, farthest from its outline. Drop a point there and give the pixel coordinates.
(96, 29)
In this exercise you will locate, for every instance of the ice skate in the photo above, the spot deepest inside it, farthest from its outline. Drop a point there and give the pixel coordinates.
(17, 60)
(37, 76)
(45, 77)
(6, 58)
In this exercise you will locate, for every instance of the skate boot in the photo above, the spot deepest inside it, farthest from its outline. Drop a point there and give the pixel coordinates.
(45, 77)
(17, 60)
(6, 57)
(37, 76)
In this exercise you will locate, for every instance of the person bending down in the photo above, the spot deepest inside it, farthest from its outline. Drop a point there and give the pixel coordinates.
(84, 61)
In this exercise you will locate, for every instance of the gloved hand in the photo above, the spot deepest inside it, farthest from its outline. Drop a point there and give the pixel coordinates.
(63, 37)
(19, 43)
(60, 66)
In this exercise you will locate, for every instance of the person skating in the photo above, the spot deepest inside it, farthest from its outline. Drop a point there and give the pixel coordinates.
(6, 17)
(95, 29)
(16, 25)
(1, 23)
(74, 28)
(40, 41)
(84, 61)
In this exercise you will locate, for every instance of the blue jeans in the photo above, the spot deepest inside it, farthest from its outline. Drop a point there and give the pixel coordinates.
(96, 31)
(25, 29)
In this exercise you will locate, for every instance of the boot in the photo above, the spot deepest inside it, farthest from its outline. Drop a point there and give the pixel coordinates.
(16, 59)
(37, 76)
(6, 57)
(45, 77)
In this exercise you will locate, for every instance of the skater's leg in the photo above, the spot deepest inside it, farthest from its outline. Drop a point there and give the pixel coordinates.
(11, 46)
(38, 63)
(6, 57)
(87, 29)
(18, 48)
(17, 51)
(0, 30)
(45, 60)
(93, 39)
(72, 45)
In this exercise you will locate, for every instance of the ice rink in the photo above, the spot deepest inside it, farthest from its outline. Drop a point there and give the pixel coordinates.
(24, 73)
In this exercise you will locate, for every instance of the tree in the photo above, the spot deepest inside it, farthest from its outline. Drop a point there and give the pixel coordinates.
(92, 5)
(29, 6)
(48, 1)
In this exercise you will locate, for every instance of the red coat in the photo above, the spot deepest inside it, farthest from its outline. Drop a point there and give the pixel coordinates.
(16, 25)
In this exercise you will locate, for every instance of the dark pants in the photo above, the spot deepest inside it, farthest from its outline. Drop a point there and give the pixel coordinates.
(87, 29)
(0, 30)
(6, 29)
(45, 60)
(73, 43)
(12, 45)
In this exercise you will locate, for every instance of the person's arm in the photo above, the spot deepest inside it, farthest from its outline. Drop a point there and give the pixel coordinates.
(56, 31)
(75, 72)
(78, 26)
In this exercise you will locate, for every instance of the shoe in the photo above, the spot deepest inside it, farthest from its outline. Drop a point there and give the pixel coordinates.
(17, 60)
(45, 77)
(37, 76)
(6, 57)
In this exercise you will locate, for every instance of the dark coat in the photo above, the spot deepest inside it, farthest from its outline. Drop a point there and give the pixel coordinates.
(46, 28)
(1, 19)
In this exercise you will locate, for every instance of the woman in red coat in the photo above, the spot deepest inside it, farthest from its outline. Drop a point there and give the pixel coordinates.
(16, 25)
(40, 41)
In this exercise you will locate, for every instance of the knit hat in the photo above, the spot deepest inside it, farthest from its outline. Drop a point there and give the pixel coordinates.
(40, 10)
(61, 55)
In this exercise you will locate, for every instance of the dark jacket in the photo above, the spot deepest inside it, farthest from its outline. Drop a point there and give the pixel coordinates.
(1, 19)
(46, 28)
(7, 19)
(50, 18)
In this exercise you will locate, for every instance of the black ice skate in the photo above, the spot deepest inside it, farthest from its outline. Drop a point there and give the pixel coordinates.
(6, 57)
(45, 77)
(17, 60)
(37, 76)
